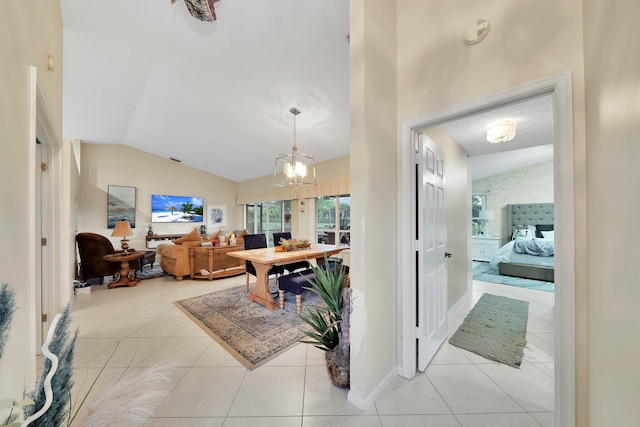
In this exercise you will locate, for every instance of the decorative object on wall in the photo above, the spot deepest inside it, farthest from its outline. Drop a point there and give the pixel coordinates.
(176, 208)
(203, 10)
(216, 216)
(294, 170)
(121, 205)
(476, 31)
(123, 229)
(501, 131)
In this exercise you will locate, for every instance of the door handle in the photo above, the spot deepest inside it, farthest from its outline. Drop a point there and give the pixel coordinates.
(447, 255)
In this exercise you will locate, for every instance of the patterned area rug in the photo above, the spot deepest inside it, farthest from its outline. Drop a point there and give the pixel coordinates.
(496, 329)
(486, 273)
(149, 273)
(247, 330)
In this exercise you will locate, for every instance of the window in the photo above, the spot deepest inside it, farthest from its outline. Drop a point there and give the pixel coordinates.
(478, 215)
(267, 218)
(333, 216)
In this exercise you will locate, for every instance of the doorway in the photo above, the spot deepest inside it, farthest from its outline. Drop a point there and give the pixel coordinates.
(559, 86)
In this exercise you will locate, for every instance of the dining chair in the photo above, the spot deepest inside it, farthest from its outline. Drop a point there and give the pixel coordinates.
(257, 241)
(293, 266)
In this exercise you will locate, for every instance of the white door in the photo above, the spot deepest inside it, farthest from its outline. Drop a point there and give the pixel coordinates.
(432, 240)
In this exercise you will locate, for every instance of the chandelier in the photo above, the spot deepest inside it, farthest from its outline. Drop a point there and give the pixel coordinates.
(501, 131)
(201, 9)
(295, 169)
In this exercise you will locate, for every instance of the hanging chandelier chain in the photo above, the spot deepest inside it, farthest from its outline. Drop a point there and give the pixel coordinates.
(295, 112)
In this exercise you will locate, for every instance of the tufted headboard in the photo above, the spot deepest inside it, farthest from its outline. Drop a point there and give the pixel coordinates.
(529, 214)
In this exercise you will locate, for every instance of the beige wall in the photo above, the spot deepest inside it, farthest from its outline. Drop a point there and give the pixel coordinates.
(533, 184)
(29, 30)
(437, 70)
(613, 125)
(374, 135)
(110, 164)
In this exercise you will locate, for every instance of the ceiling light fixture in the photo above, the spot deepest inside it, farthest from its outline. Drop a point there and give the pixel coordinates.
(501, 131)
(294, 170)
(201, 9)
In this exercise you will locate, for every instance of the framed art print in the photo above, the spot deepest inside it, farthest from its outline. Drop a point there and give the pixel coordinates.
(216, 217)
(121, 205)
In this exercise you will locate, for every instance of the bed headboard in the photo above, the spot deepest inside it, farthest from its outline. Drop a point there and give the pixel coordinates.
(529, 214)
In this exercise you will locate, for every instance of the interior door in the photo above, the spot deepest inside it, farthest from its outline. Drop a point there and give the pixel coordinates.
(432, 240)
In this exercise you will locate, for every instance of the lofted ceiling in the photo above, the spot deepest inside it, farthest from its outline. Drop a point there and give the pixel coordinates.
(216, 95)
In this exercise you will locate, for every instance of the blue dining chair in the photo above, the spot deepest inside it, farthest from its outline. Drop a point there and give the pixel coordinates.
(293, 266)
(257, 241)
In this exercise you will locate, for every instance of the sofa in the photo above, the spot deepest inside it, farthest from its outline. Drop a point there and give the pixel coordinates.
(175, 258)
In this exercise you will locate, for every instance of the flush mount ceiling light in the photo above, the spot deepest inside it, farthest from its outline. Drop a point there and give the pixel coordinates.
(201, 9)
(294, 170)
(501, 131)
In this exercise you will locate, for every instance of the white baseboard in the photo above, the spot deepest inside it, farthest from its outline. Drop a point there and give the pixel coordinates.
(364, 402)
(462, 299)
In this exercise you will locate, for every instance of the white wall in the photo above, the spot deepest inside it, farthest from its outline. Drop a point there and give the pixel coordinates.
(29, 30)
(533, 184)
(112, 164)
(613, 125)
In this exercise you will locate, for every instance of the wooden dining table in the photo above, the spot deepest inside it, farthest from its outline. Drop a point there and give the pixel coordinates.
(265, 258)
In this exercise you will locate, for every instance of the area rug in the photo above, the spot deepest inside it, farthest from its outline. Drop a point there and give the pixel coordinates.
(247, 330)
(149, 273)
(486, 273)
(495, 328)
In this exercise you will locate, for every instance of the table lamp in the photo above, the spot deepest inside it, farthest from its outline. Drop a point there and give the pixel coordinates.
(123, 229)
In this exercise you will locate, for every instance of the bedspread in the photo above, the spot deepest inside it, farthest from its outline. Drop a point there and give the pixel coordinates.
(536, 247)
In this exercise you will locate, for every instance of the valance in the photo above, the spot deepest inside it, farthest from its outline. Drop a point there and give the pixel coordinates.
(331, 187)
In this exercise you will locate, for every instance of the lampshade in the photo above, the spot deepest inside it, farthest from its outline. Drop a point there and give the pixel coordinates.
(295, 169)
(122, 229)
(501, 131)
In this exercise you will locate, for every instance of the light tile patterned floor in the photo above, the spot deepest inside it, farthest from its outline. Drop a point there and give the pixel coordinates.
(140, 326)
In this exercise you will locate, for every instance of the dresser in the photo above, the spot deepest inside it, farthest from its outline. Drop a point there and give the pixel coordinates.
(483, 248)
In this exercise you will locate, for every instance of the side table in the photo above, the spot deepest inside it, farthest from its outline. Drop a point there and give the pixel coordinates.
(192, 260)
(126, 276)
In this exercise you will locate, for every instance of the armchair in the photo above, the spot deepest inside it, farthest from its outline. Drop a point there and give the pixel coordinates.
(92, 248)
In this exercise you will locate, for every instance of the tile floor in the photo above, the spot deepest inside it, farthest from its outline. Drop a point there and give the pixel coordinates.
(210, 388)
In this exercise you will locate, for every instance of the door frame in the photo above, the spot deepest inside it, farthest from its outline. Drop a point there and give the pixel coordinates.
(559, 86)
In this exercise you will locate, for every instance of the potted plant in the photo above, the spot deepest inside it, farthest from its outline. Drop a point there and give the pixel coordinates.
(330, 323)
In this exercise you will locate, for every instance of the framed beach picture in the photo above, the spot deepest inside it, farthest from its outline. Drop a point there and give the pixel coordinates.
(216, 217)
(121, 205)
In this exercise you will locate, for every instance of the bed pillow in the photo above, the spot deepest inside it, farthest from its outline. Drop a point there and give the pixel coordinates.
(524, 233)
(543, 227)
(547, 234)
(194, 236)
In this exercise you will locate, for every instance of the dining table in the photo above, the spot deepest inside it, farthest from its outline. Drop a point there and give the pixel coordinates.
(264, 259)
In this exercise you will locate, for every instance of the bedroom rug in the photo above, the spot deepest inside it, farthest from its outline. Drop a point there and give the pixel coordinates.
(247, 330)
(486, 273)
(495, 328)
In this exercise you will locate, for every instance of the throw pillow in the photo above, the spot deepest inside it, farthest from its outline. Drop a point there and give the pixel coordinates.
(194, 236)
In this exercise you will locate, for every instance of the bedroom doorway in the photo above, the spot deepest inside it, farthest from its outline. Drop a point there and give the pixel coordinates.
(559, 87)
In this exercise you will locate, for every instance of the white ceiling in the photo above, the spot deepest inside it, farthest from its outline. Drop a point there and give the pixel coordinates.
(533, 142)
(217, 95)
